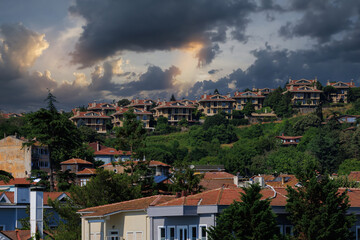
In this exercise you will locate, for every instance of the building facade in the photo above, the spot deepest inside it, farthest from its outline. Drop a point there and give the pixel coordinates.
(94, 120)
(342, 91)
(213, 104)
(175, 111)
(141, 114)
(243, 98)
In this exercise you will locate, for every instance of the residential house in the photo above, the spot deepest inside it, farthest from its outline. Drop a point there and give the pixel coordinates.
(352, 119)
(144, 104)
(214, 180)
(19, 160)
(304, 96)
(190, 217)
(242, 98)
(83, 169)
(108, 154)
(10, 185)
(213, 104)
(175, 111)
(124, 220)
(94, 120)
(289, 140)
(199, 169)
(263, 91)
(106, 108)
(13, 205)
(302, 82)
(342, 91)
(141, 114)
(11, 115)
(84, 176)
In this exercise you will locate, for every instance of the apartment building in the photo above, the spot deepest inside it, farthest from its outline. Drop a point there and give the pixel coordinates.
(141, 104)
(175, 111)
(242, 98)
(94, 120)
(342, 91)
(141, 114)
(106, 108)
(213, 104)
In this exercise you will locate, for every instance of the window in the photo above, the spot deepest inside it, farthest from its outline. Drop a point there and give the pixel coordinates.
(184, 110)
(357, 232)
(144, 117)
(193, 232)
(162, 234)
(134, 236)
(208, 111)
(215, 104)
(280, 227)
(171, 233)
(288, 229)
(113, 235)
(83, 181)
(182, 233)
(214, 111)
(202, 232)
(176, 110)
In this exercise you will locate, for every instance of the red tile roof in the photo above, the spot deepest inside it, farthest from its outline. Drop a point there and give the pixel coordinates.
(15, 181)
(158, 163)
(137, 111)
(87, 171)
(209, 184)
(302, 82)
(354, 176)
(218, 175)
(248, 94)
(302, 89)
(174, 104)
(112, 151)
(89, 114)
(141, 102)
(101, 106)
(341, 84)
(46, 196)
(216, 97)
(10, 115)
(277, 181)
(75, 161)
(136, 204)
(289, 137)
(226, 196)
(17, 234)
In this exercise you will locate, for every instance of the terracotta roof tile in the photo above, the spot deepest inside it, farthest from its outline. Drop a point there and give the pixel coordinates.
(218, 175)
(89, 114)
(174, 104)
(216, 97)
(112, 151)
(289, 137)
(354, 176)
(46, 196)
(87, 171)
(15, 181)
(76, 161)
(136, 204)
(248, 94)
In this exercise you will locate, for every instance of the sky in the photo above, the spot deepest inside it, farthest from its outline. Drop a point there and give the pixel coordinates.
(91, 50)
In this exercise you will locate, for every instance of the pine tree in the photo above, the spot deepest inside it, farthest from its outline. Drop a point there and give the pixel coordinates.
(251, 218)
(317, 210)
(172, 99)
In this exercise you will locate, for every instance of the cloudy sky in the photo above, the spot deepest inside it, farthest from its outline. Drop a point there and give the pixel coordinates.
(86, 50)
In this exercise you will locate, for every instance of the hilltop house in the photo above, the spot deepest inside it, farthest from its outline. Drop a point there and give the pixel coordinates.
(175, 111)
(141, 114)
(105, 108)
(91, 119)
(108, 154)
(242, 98)
(289, 140)
(213, 104)
(144, 104)
(342, 90)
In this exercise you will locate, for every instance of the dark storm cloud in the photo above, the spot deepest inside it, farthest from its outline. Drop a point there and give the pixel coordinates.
(153, 79)
(339, 61)
(213, 71)
(320, 19)
(142, 25)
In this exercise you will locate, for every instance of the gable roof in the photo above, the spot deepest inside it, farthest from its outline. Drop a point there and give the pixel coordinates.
(218, 175)
(354, 176)
(131, 205)
(89, 114)
(87, 171)
(215, 97)
(104, 106)
(302, 89)
(137, 111)
(226, 196)
(52, 195)
(15, 181)
(111, 151)
(248, 94)
(341, 84)
(74, 161)
(302, 81)
(175, 104)
(141, 102)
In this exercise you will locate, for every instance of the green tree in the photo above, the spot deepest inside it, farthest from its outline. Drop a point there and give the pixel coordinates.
(65, 179)
(123, 102)
(349, 165)
(317, 210)
(5, 176)
(172, 98)
(184, 179)
(131, 135)
(55, 131)
(248, 109)
(215, 120)
(251, 218)
(216, 91)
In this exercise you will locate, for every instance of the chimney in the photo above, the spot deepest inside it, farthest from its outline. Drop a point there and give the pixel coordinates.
(328, 83)
(36, 211)
(229, 95)
(204, 95)
(22, 193)
(97, 146)
(282, 180)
